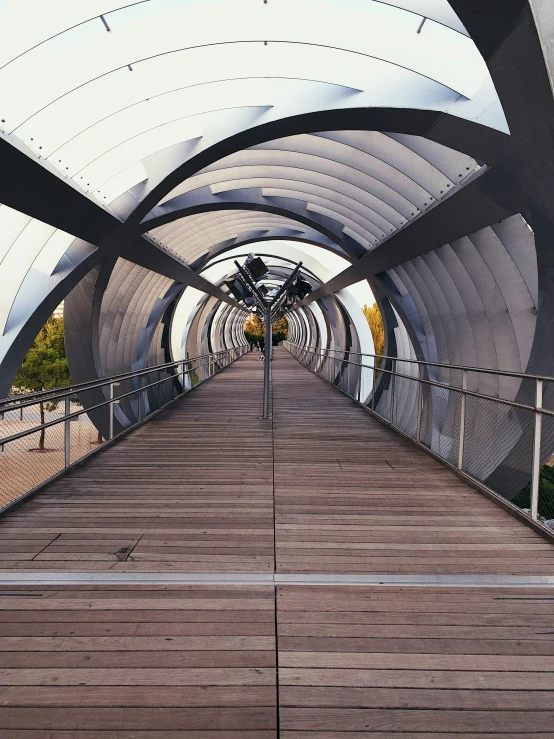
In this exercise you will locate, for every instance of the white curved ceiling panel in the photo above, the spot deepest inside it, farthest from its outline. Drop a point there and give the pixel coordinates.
(399, 155)
(44, 20)
(103, 93)
(400, 178)
(25, 244)
(12, 224)
(365, 172)
(183, 72)
(363, 236)
(192, 237)
(279, 175)
(154, 28)
(350, 208)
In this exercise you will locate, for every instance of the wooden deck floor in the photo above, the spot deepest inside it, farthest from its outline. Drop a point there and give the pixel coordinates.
(209, 490)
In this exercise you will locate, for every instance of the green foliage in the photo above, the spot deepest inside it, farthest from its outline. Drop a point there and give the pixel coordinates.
(546, 494)
(45, 365)
(280, 330)
(254, 329)
(375, 321)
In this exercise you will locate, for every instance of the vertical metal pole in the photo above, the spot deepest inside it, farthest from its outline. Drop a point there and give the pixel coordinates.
(462, 420)
(537, 434)
(374, 386)
(393, 386)
(139, 414)
(267, 362)
(183, 376)
(419, 400)
(348, 381)
(67, 432)
(110, 433)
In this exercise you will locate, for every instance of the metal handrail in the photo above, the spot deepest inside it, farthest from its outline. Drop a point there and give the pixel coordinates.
(434, 383)
(75, 389)
(425, 362)
(302, 352)
(47, 396)
(210, 364)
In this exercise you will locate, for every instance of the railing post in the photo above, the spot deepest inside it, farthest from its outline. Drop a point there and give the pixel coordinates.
(183, 372)
(537, 438)
(139, 412)
(267, 362)
(462, 420)
(392, 386)
(110, 406)
(67, 432)
(374, 386)
(419, 401)
(348, 380)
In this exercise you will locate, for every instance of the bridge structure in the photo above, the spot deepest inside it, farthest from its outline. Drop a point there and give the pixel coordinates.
(370, 552)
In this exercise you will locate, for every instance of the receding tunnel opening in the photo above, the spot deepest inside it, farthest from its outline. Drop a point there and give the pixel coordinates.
(254, 330)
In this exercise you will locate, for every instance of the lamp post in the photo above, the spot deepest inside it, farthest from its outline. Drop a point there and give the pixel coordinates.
(267, 361)
(268, 309)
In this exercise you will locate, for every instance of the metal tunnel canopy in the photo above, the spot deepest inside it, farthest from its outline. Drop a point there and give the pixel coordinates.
(402, 144)
(168, 72)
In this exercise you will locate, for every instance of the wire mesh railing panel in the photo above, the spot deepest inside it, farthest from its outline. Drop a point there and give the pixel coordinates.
(546, 479)
(498, 445)
(405, 404)
(382, 402)
(440, 421)
(84, 438)
(30, 460)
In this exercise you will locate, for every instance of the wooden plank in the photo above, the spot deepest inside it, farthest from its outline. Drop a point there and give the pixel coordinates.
(117, 734)
(439, 722)
(135, 719)
(209, 667)
(183, 492)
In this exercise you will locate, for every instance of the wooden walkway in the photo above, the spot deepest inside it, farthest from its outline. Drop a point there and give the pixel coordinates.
(216, 525)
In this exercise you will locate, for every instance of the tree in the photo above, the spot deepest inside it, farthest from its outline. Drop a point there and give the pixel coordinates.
(45, 366)
(375, 321)
(280, 330)
(254, 329)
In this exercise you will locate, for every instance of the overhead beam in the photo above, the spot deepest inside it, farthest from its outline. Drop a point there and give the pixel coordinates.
(39, 193)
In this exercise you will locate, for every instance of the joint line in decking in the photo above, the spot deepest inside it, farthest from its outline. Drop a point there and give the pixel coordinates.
(184, 578)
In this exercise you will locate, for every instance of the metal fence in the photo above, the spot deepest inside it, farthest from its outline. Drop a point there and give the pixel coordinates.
(497, 428)
(43, 434)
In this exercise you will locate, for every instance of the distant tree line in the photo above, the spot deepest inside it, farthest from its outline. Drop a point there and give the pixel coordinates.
(254, 330)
